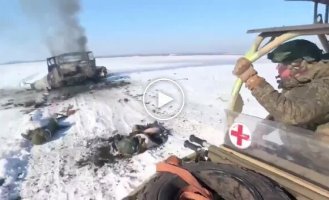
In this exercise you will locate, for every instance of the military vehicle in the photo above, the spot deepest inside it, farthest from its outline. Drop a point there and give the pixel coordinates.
(70, 69)
(73, 68)
(260, 159)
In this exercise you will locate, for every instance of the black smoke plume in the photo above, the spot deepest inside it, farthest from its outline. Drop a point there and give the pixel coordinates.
(58, 21)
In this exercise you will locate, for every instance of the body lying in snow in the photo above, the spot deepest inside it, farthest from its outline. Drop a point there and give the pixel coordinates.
(45, 130)
(107, 150)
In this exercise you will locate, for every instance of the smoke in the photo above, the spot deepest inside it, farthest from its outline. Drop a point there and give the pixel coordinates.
(59, 24)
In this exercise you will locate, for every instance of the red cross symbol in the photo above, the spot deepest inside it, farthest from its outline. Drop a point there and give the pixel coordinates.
(239, 134)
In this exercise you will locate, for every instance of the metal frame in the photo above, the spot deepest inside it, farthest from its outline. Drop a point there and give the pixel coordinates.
(316, 14)
(279, 35)
(85, 55)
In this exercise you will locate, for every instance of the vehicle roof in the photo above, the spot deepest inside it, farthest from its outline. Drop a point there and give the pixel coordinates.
(71, 53)
(290, 28)
(319, 25)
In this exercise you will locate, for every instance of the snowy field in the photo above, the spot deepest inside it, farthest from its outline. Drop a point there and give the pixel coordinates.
(48, 171)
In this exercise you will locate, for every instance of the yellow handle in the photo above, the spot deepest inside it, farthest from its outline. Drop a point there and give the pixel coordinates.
(253, 54)
(237, 86)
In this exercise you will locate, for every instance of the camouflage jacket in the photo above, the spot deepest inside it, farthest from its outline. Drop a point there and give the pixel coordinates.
(306, 104)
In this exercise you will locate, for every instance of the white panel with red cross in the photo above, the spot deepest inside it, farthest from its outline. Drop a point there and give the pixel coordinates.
(240, 135)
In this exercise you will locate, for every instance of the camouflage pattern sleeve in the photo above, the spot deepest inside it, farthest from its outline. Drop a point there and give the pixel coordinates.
(295, 111)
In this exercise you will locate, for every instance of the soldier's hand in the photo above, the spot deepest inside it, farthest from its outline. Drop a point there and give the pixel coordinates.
(254, 82)
(243, 69)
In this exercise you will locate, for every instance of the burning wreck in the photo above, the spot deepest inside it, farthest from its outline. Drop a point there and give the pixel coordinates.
(65, 38)
(70, 69)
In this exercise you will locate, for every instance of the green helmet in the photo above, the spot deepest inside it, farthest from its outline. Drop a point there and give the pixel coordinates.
(39, 136)
(43, 134)
(127, 146)
(295, 49)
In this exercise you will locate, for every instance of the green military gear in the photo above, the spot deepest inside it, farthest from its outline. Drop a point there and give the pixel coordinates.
(107, 150)
(128, 146)
(43, 134)
(40, 136)
(142, 138)
(305, 105)
(295, 49)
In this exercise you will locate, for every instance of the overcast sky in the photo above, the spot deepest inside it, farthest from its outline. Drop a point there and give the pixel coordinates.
(116, 27)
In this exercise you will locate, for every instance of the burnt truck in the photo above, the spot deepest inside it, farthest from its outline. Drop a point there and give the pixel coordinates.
(69, 69)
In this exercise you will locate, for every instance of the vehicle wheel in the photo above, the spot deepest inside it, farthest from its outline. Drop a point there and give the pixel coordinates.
(102, 72)
(224, 181)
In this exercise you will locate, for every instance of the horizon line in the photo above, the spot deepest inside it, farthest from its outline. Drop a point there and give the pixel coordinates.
(129, 55)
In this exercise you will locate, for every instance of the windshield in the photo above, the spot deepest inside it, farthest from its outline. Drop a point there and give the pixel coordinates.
(71, 58)
(91, 56)
(51, 61)
(291, 148)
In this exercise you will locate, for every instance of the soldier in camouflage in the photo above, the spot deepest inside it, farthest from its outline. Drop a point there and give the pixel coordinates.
(108, 150)
(46, 129)
(304, 79)
(42, 134)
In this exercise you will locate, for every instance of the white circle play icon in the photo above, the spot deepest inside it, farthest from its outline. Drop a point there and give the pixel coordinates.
(163, 99)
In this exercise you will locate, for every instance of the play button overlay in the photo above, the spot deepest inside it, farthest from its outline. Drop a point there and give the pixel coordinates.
(163, 99)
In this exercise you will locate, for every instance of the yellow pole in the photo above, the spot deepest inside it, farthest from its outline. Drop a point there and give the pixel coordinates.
(254, 54)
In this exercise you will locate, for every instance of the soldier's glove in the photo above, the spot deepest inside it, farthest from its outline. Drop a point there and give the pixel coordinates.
(245, 71)
(254, 82)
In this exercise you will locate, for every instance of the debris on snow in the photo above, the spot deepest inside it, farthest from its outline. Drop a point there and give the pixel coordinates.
(108, 150)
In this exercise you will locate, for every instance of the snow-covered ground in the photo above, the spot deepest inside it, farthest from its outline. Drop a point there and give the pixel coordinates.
(49, 171)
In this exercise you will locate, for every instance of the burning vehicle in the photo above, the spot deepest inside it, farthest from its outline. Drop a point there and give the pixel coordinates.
(70, 69)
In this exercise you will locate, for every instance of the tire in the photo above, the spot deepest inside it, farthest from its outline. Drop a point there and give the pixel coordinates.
(224, 181)
(101, 72)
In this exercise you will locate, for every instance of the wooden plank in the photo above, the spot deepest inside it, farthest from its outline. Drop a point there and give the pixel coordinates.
(297, 186)
(293, 168)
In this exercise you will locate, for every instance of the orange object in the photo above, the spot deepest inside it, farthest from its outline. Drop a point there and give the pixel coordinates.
(194, 190)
